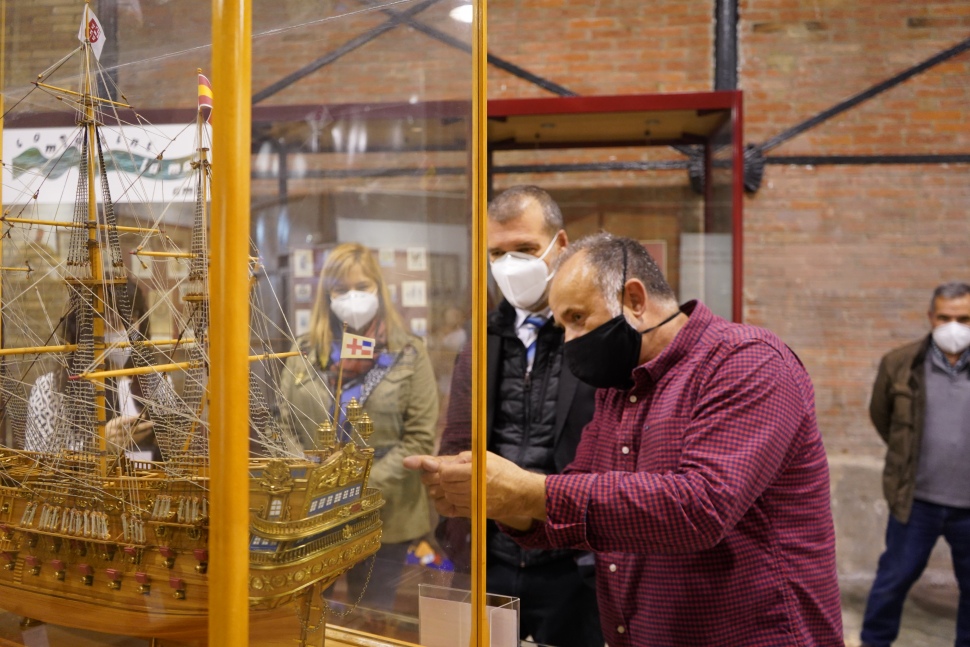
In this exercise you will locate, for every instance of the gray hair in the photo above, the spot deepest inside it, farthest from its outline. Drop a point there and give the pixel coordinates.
(951, 290)
(512, 202)
(606, 254)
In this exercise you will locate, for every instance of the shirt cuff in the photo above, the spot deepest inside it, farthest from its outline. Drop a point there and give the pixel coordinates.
(567, 509)
(534, 537)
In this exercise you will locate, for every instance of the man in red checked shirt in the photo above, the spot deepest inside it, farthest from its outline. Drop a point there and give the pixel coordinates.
(701, 482)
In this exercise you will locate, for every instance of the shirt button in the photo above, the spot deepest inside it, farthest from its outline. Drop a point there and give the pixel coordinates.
(612, 568)
(633, 398)
(521, 564)
(620, 629)
(625, 450)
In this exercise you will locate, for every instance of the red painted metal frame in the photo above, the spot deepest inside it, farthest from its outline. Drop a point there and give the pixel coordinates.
(737, 190)
(720, 100)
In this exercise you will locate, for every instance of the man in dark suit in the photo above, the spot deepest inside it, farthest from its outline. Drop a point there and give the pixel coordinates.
(536, 412)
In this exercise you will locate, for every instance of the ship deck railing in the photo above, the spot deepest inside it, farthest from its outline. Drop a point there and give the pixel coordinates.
(364, 525)
(273, 529)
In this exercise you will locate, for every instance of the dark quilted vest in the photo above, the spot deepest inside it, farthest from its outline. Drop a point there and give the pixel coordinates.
(524, 423)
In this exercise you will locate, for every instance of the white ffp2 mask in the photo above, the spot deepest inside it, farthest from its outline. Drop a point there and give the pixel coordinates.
(523, 278)
(952, 337)
(355, 308)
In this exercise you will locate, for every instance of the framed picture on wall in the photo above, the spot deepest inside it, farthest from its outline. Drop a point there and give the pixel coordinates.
(303, 263)
(302, 321)
(417, 259)
(303, 292)
(385, 256)
(414, 294)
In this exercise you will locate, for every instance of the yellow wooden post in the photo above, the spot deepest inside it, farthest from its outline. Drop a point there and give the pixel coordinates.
(479, 188)
(229, 316)
(3, 109)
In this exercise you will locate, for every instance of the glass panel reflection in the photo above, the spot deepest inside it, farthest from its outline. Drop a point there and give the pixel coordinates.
(360, 304)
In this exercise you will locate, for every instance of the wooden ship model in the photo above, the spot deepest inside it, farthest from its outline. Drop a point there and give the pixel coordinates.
(92, 538)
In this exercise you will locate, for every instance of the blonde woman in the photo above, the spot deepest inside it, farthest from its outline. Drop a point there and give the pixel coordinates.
(396, 388)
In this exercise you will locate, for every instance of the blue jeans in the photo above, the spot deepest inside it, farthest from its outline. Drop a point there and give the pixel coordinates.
(908, 547)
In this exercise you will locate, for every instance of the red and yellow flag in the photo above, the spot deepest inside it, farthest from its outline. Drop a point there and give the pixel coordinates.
(205, 97)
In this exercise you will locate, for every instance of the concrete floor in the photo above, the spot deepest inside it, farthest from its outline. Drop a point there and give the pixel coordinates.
(927, 621)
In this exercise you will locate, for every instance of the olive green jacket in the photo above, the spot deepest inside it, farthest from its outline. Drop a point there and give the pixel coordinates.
(897, 410)
(404, 409)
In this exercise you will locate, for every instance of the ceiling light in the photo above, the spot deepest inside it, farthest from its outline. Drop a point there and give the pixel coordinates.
(464, 13)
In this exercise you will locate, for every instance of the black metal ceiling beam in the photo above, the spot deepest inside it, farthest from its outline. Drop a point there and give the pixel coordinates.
(864, 160)
(342, 174)
(346, 48)
(666, 165)
(754, 154)
(877, 89)
(726, 45)
(511, 68)
(407, 18)
(500, 63)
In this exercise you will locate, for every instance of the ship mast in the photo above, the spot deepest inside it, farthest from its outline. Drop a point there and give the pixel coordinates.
(197, 297)
(94, 242)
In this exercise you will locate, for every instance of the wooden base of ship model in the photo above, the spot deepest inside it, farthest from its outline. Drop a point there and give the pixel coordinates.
(97, 567)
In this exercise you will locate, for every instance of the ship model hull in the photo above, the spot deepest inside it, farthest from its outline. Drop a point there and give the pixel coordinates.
(67, 562)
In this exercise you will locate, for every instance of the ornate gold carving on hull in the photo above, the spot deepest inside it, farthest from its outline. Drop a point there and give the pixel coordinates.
(276, 477)
(346, 465)
(266, 590)
(307, 526)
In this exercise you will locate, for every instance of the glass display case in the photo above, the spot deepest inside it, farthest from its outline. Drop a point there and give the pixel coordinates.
(664, 169)
(361, 212)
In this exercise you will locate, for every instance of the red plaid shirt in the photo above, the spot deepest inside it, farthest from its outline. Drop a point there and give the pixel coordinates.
(704, 491)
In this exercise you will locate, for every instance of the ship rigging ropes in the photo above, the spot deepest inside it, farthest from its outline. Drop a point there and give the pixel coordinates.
(105, 314)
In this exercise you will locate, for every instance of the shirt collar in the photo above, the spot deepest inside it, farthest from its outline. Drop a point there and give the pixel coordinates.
(940, 360)
(520, 315)
(699, 318)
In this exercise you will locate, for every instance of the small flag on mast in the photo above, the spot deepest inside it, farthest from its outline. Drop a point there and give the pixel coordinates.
(91, 32)
(205, 98)
(356, 347)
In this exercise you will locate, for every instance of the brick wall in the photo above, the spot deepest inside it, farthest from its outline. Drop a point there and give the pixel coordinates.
(800, 58)
(606, 47)
(841, 261)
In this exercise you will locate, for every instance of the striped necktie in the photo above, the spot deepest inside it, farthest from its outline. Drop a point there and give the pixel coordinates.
(531, 327)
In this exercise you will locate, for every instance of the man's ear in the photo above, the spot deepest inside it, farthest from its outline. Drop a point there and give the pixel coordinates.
(635, 296)
(563, 239)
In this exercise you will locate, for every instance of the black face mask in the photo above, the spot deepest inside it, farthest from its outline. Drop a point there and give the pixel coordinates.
(606, 356)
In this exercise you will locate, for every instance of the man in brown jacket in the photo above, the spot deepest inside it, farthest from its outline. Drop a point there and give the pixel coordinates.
(921, 408)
